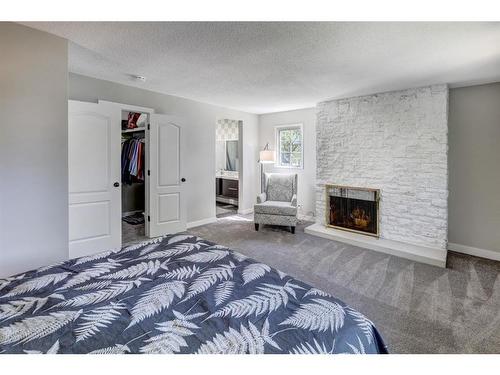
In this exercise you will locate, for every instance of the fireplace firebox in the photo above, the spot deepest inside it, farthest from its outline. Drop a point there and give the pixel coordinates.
(353, 209)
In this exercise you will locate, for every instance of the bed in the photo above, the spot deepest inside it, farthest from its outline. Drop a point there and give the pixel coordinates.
(175, 294)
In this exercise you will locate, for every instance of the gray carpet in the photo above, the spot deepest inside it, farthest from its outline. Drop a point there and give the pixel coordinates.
(418, 308)
(132, 233)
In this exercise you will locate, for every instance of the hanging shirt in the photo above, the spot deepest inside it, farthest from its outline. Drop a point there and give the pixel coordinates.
(132, 161)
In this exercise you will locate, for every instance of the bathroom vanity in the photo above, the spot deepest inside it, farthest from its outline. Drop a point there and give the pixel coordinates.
(226, 188)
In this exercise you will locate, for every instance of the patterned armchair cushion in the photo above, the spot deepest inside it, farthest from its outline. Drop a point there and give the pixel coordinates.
(281, 187)
(261, 198)
(275, 208)
(287, 220)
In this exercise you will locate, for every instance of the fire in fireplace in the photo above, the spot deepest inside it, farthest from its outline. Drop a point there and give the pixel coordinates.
(353, 209)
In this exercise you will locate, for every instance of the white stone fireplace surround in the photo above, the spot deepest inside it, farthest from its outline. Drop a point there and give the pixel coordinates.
(396, 142)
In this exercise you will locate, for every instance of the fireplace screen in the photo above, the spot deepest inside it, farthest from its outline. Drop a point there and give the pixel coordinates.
(352, 209)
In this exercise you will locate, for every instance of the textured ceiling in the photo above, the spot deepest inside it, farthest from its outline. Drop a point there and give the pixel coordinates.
(274, 66)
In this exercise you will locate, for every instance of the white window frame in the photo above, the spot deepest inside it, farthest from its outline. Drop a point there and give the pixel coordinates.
(277, 130)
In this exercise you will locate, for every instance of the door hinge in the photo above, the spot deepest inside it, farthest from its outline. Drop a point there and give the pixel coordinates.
(149, 218)
(148, 127)
(149, 172)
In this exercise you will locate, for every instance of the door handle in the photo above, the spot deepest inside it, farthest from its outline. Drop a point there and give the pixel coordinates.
(116, 184)
(183, 179)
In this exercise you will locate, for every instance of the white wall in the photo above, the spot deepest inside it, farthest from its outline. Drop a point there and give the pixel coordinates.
(33, 149)
(306, 175)
(201, 124)
(396, 142)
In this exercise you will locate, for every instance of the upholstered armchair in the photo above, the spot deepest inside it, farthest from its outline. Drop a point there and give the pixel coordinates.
(277, 205)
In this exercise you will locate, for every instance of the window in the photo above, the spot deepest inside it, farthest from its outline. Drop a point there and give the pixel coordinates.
(289, 146)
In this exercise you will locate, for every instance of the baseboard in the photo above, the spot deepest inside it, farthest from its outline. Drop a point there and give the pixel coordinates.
(245, 211)
(305, 217)
(475, 251)
(201, 222)
(433, 256)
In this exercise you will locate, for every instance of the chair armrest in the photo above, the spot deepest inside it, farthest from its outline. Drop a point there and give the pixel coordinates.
(294, 200)
(261, 198)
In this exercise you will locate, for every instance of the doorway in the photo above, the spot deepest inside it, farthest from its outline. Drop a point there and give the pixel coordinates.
(134, 124)
(133, 175)
(228, 166)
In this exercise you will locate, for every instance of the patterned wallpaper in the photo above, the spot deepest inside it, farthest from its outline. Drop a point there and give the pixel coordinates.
(227, 130)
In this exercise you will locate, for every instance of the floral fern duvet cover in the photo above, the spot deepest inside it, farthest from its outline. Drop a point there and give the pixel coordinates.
(175, 294)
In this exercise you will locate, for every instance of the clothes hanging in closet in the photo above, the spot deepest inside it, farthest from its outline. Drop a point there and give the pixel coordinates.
(132, 161)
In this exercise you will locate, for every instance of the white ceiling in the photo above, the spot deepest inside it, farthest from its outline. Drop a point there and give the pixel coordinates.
(274, 66)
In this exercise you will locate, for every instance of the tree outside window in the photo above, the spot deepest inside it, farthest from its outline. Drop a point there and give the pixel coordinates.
(289, 146)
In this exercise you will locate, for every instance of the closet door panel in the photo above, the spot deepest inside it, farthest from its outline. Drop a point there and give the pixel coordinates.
(168, 157)
(89, 153)
(94, 168)
(168, 208)
(91, 220)
(166, 188)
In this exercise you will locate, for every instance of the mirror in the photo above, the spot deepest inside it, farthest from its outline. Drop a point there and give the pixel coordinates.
(231, 155)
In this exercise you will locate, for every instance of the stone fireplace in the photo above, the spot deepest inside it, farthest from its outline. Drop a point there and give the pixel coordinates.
(353, 209)
(396, 142)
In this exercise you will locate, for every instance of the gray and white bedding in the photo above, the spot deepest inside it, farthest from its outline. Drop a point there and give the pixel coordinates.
(175, 294)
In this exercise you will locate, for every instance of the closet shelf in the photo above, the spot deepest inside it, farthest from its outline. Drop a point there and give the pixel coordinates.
(140, 129)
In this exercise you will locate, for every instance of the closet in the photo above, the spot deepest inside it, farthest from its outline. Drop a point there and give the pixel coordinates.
(126, 181)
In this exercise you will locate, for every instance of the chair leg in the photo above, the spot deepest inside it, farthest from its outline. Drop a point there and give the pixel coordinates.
(292, 229)
(256, 226)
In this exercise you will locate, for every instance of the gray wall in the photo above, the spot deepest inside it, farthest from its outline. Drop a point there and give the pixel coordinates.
(133, 197)
(306, 175)
(201, 123)
(474, 166)
(33, 149)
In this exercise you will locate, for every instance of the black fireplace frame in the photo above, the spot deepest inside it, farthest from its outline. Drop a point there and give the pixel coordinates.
(376, 200)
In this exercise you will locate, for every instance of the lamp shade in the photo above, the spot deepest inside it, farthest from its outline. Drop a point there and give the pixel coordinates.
(266, 156)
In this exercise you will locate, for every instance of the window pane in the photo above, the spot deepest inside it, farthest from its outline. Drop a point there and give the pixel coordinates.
(285, 146)
(296, 147)
(296, 159)
(285, 140)
(285, 158)
(295, 135)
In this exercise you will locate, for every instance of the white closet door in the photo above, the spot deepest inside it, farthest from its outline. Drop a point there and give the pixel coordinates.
(167, 200)
(94, 178)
